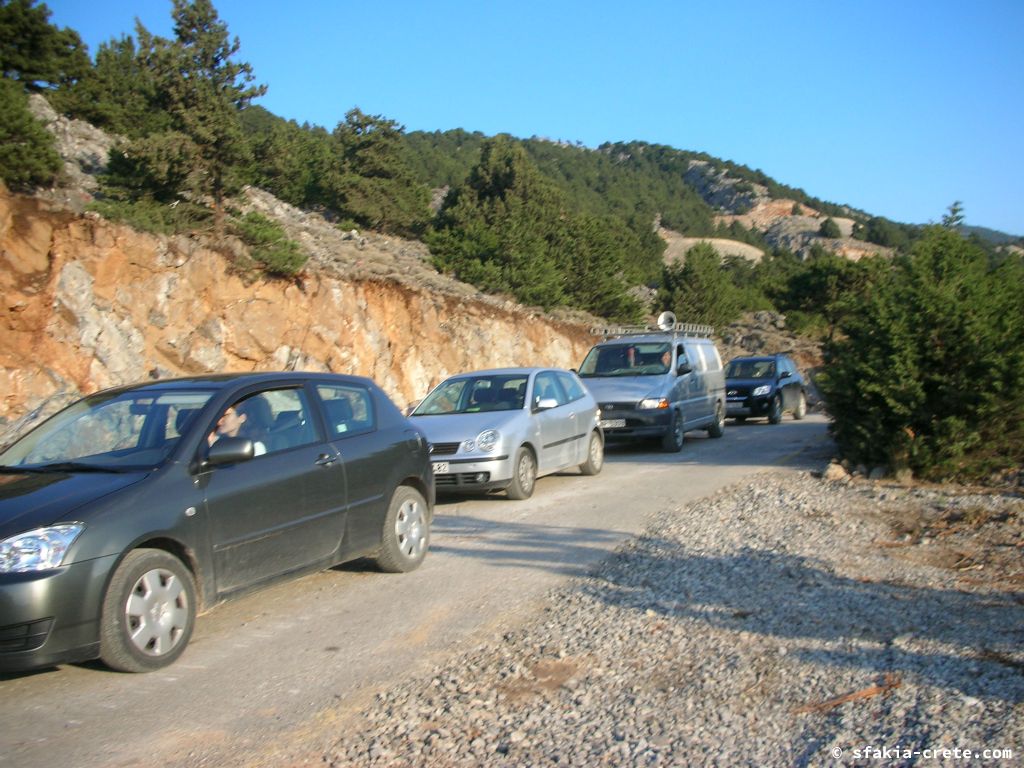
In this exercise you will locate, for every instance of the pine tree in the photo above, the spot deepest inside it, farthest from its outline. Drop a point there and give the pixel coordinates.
(36, 53)
(203, 91)
(27, 156)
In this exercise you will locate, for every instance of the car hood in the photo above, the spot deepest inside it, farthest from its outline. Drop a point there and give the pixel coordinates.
(619, 389)
(456, 427)
(32, 499)
(748, 383)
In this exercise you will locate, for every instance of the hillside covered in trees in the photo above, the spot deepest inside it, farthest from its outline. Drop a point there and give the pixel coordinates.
(548, 224)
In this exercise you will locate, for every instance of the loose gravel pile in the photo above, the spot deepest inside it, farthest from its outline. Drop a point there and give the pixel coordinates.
(789, 622)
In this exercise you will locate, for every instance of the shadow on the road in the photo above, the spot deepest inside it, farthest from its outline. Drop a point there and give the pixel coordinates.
(969, 642)
(564, 550)
(807, 440)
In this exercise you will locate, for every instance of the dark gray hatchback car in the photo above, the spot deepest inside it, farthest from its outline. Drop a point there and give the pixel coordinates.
(132, 510)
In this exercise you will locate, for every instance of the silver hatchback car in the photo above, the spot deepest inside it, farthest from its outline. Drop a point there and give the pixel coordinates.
(501, 429)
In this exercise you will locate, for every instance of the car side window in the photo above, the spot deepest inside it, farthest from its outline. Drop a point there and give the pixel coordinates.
(274, 419)
(290, 419)
(546, 387)
(571, 385)
(348, 409)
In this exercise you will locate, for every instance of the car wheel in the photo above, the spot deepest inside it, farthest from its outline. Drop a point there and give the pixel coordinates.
(718, 428)
(801, 407)
(149, 611)
(524, 475)
(775, 410)
(406, 532)
(672, 442)
(595, 455)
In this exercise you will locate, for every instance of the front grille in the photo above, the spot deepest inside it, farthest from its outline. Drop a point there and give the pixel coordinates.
(607, 409)
(24, 637)
(444, 449)
(460, 479)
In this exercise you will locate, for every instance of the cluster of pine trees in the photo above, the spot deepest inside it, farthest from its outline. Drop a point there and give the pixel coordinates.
(925, 349)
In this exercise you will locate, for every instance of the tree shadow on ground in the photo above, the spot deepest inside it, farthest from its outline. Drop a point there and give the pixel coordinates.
(968, 641)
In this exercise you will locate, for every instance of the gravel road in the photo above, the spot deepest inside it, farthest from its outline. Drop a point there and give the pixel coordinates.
(787, 621)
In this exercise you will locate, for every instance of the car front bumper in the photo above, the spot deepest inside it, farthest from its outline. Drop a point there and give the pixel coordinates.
(635, 424)
(51, 617)
(471, 475)
(748, 406)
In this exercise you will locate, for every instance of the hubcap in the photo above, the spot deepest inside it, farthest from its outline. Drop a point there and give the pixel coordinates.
(526, 472)
(156, 613)
(410, 529)
(596, 455)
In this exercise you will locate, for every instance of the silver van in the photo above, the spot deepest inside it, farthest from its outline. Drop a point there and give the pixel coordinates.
(656, 382)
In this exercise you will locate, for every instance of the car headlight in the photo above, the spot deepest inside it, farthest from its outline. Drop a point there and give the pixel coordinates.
(764, 389)
(38, 550)
(487, 440)
(653, 404)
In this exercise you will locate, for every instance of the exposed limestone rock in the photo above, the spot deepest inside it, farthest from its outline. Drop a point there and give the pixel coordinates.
(89, 304)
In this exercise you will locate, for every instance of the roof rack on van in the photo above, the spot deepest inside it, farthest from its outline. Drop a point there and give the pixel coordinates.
(676, 329)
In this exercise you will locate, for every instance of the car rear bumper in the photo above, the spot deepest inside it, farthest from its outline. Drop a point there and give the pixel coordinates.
(51, 617)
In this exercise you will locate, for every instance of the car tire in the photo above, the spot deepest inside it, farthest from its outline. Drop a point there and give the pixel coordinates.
(405, 535)
(717, 429)
(775, 410)
(672, 442)
(801, 407)
(148, 613)
(595, 455)
(524, 475)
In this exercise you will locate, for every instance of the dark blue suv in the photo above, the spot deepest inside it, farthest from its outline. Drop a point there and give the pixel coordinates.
(767, 385)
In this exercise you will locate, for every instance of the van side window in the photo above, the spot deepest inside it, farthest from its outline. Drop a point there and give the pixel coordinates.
(714, 361)
(697, 358)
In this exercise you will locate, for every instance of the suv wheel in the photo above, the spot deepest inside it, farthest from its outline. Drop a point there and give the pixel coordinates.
(775, 411)
(801, 407)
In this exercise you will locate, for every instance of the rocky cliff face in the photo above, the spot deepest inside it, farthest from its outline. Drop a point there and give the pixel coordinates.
(88, 304)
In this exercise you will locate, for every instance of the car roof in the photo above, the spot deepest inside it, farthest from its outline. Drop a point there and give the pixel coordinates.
(505, 372)
(757, 357)
(643, 338)
(224, 380)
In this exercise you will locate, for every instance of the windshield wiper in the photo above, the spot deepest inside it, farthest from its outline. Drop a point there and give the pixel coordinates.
(66, 466)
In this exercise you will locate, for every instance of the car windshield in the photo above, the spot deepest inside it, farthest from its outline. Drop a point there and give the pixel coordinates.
(109, 432)
(473, 394)
(750, 369)
(628, 359)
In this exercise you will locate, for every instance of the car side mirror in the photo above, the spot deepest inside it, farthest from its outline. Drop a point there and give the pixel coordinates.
(785, 375)
(546, 404)
(682, 369)
(229, 450)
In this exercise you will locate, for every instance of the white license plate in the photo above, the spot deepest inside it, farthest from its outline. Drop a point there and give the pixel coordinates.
(612, 423)
(440, 467)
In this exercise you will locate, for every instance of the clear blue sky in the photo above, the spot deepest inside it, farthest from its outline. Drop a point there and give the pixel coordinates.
(897, 107)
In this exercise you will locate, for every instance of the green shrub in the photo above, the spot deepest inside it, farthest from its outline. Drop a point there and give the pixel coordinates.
(149, 215)
(927, 371)
(830, 229)
(270, 245)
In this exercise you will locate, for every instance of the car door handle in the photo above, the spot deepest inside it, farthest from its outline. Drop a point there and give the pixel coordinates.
(326, 459)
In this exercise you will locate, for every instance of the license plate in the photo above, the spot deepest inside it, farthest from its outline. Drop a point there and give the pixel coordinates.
(612, 423)
(440, 467)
